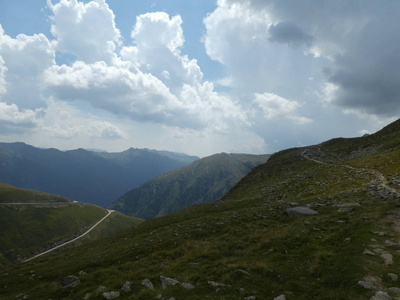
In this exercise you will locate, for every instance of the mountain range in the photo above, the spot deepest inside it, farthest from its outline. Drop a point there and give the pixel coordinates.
(92, 177)
(205, 180)
(316, 222)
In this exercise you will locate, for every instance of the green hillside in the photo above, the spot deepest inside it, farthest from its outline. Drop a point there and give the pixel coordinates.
(251, 244)
(205, 180)
(9, 194)
(33, 221)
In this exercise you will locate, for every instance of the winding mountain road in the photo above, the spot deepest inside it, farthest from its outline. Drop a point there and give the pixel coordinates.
(73, 240)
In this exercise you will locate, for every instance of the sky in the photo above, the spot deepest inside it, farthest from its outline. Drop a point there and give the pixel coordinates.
(196, 76)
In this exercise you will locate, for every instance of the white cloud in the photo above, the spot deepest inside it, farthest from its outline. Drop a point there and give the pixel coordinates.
(154, 30)
(24, 60)
(86, 30)
(274, 106)
(152, 82)
(158, 41)
(12, 119)
(61, 120)
(3, 69)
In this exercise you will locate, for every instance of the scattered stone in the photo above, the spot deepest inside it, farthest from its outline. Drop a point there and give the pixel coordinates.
(82, 273)
(166, 282)
(242, 271)
(350, 204)
(387, 257)
(127, 287)
(393, 276)
(300, 211)
(147, 283)
(164, 266)
(70, 281)
(381, 296)
(366, 285)
(111, 295)
(293, 203)
(380, 233)
(269, 251)
(369, 252)
(172, 298)
(21, 296)
(187, 286)
(213, 283)
(395, 290)
(345, 210)
(280, 297)
(87, 296)
(101, 288)
(347, 240)
(250, 298)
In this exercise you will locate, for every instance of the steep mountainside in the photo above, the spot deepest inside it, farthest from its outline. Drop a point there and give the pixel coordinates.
(319, 222)
(205, 180)
(33, 221)
(81, 175)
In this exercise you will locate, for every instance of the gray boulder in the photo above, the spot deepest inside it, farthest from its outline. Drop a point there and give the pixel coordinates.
(111, 295)
(381, 296)
(187, 286)
(70, 281)
(127, 287)
(393, 276)
(300, 211)
(147, 283)
(166, 282)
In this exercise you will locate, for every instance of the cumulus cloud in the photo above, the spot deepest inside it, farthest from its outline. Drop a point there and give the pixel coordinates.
(24, 59)
(12, 119)
(274, 106)
(112, 88)
(239, 37)
(158, 40)
(61, 120)
(151, 82)
(86, 30)
(357, 39)
(3, 83)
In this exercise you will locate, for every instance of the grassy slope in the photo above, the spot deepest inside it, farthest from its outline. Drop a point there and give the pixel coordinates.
(205, 180)
(9, 194)
(31, 228)
(245, 241)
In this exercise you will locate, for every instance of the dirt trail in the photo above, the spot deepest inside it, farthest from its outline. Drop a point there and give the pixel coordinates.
(73, 240)
(380, 178)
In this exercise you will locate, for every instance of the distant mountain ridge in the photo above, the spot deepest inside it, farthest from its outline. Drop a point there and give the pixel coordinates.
(205, 180)
(86, 176)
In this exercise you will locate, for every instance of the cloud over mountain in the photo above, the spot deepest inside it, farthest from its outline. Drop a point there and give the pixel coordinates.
(282, 69)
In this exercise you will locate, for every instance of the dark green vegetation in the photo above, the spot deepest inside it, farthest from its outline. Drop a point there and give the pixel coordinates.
(33, 221)
(86, 176)
(205, 180)
(245, 245)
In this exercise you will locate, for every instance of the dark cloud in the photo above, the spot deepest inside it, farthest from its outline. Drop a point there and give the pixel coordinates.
(289, 33)
(368, 72)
